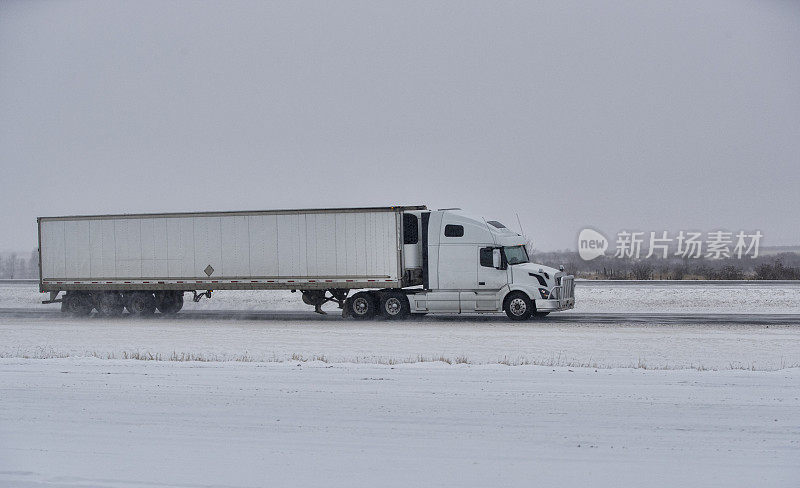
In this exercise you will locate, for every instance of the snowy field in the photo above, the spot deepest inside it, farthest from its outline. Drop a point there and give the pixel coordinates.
(650, 346)
(688, 297)
(122, 424)
(594, 297)
(201, 401)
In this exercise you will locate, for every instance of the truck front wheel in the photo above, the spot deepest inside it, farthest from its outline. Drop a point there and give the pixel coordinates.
(394, 305)
(518, 306)
(362, 305)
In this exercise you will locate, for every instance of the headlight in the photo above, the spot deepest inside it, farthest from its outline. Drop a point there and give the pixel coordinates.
(545, 294)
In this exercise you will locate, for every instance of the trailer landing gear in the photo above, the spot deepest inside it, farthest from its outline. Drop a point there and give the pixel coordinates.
(199, 296)
(318, 298)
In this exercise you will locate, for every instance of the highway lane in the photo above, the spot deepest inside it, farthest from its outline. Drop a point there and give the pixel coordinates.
(555, 318)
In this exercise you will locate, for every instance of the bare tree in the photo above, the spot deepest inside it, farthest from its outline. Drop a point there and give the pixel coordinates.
(32, 266)
(642, 270)
(11, 265)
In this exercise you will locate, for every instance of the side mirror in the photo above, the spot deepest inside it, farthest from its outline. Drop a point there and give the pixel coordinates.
(497, 260)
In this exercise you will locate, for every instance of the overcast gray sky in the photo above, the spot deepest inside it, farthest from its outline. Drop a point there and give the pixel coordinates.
(614, 115)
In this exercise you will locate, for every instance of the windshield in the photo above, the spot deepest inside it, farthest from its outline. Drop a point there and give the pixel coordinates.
(516, 254)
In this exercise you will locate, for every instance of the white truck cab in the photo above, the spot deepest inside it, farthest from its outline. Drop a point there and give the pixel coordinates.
(470, 265)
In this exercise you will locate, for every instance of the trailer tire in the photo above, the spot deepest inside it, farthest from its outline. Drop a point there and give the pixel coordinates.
(76, 304)
(110, 304)
(362, 306)
(394, 305)
(140, 303)
(169, 302)
(518, 306)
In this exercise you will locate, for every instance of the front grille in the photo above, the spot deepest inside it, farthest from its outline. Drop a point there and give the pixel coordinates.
(568, 286)
(565, 288)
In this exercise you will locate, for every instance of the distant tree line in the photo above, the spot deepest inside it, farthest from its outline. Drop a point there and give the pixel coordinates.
(19, 266)
(781, 266)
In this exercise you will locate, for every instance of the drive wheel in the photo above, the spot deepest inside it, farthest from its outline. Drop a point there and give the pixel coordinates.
(170, 303)
(110, 304)
(141, 303)
(518, 306)
(394, 305)
(76, 304)
(362, 306)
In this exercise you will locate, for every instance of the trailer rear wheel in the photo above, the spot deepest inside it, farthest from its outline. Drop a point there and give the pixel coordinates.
(362, 305)
(169, 302)
(110, 304)
(77, 304)
(140, 303)
(394, 305)
(518, 306)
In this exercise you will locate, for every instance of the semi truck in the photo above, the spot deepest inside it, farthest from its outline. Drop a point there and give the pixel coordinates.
(388, 262)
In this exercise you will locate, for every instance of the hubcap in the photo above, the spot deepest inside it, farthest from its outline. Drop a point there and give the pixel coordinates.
(393, 306)
(360, 306)
(518, 306)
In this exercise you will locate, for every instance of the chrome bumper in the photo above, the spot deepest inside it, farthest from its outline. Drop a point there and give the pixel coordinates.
(562, 296)
(554, 305)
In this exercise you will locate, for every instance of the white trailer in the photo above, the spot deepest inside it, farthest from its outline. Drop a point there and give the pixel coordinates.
(407, 259)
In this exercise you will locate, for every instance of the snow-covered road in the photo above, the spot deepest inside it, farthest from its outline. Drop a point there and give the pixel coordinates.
(111, 423)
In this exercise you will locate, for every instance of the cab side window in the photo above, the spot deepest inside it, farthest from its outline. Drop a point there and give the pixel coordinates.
(486, 257)
(451, 230)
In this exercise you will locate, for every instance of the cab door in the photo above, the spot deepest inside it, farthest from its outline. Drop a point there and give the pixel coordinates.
(489, 281)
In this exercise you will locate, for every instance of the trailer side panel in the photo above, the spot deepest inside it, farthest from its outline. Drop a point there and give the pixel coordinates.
(343, 248)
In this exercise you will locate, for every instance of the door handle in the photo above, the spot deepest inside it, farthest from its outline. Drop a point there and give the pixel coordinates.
(481, 282)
